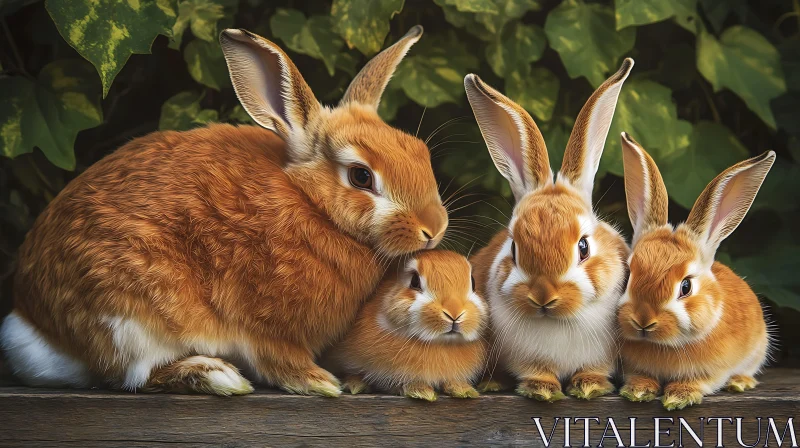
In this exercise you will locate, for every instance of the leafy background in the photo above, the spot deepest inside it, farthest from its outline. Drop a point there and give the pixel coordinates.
(715, 81)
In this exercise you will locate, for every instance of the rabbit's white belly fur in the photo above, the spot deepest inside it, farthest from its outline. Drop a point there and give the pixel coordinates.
(36, 362)
(570, 345)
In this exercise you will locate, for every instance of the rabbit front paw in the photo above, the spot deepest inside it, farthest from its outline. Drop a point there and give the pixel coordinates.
(540, 390)
(587, 385)
(680, 395)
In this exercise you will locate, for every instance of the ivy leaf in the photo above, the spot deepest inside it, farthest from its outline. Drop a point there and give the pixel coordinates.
(484, 6)
(643, 12)
(646, 111)
(434, 74)
(364, 25)
(206, 64)
(391, 100)
(183, 112)
(718, 10)
(486, 26)
(712, 149)
(49, 112)
(585, 36)
(745, 62)
(314, 37)
(202, 16)
(535, 90)
(516, 48)
(107, 32)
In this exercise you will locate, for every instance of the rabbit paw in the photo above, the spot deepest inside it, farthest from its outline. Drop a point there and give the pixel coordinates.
(679, 395)
(741, 383)
(491, 385)
(355, 385)
(420, 392)
(587, 386)
(540, 390)
(199, 374)
(640, 389)
(315, 382)
(458, 390)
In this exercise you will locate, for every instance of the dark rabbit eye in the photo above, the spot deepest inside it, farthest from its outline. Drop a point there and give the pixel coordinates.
(583, 248)
(513, 251)
(415, 282)
(473, 283)
(360, 177)
(686, 288)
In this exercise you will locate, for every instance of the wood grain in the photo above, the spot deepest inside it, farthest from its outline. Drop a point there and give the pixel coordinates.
(41, 417)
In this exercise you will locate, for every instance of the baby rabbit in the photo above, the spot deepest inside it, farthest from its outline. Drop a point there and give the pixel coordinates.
(688, 321)
(255, 245)
(554, 276)
(421, 331)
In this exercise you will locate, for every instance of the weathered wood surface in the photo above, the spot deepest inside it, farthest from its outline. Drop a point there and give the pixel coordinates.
(40, 417)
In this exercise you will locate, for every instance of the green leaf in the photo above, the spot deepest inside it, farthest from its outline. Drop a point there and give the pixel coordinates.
(485, 6)
(781, 188)
(646, 111)
(585, 36)
(745, 62)
(206, 64)
(556, 135)
(314, 37)
(718, 10)
(535, 90)
(712, 149)
(183, 112)
(364, 25)
(773, 274)
(486, 26)
(238, 115)
(107, 32)
(391, 100)
(643, 12)
(202, 17)
(434, 73)
(50, 112)
(515, 48)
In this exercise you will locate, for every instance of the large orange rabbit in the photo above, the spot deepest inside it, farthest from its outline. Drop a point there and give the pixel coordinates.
(254, 245)
(688, 322)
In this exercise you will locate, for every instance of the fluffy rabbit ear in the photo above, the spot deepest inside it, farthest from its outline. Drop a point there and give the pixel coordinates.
(723, 204)
(646, 194)
(367, 87)
(268, 84)
(514, 141)
(585, 146)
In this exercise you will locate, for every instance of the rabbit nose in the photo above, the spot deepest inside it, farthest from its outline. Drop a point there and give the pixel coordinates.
(433, 223)
(644, 329)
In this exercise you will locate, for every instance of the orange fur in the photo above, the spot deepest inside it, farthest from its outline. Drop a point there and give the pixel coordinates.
(552, 308)
(227, 241)
(694, 342)
(392, 345)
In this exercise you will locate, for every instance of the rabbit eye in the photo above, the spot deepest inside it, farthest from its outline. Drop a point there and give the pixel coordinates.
(513, 251)
(686, 288)
(360, 177)
(473, 283)
(415, 282)
(583, 248)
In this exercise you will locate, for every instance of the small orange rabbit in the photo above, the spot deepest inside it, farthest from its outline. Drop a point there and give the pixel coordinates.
(254, 245)
(421, 331)
(554, 276)
(688, 321)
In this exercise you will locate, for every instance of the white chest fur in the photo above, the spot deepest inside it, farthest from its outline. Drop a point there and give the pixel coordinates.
(586, 340)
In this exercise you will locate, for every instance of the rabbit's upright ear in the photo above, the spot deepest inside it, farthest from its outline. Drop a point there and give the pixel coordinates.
(514, 141)
(722, 206)
(585, 146)
(268, 84)
(645, 192)
(367, 87)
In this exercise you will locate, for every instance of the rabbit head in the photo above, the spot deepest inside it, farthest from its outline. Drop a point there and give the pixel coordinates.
(373, 181)
(558, 255)
(673, 297)
(432, 298)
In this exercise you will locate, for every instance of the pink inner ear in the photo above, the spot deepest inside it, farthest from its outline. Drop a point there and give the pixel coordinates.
(508, 140)
(734, 201)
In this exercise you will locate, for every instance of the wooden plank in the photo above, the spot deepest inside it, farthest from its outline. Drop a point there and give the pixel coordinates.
(40, 417)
